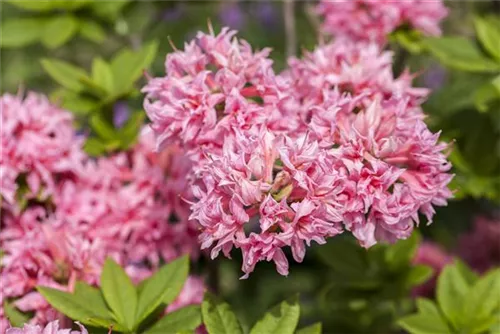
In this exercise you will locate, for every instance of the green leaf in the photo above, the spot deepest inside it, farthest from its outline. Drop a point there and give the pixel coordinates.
(281, 319)
(16, 318)
(34, 5)
(76, 308)
(119, 292)
(461, 54)
(65, 74)
(94, 147)
(93, 297)
(109, 10)
(218, 316)
(467, 273)
(73, 102)
(92, 31)
(102, 75)
(20, 32)
(488, 33)
(418, 274)
(59, 30)
(427, 323)
(400, 254)
(130, 131)
(451, 291)
(162, 287)
(102, 128)
(127, 66)
(411, 40)
(484, 297)
(487, 94)
(426, 306)
(312, 329)
(185, 319)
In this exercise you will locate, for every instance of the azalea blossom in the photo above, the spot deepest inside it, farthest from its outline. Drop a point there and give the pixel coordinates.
(216, 84)
(130, 206)
(51, 328)
(374, 20)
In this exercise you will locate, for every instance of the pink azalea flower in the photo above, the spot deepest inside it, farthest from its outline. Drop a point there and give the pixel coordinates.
(374, 20)
(38, 142)
(215, 84)
(51, 328)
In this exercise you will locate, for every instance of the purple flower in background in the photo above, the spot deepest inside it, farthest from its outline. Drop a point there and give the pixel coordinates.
(435, 77)
(480, 248)
(266, 13)
(231, 15)
(121, 112)
(173, 14)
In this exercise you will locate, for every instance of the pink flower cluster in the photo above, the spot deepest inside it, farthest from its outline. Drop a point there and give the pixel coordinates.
(374, 20)
(333, 143)
(64, 213)
(51, 328)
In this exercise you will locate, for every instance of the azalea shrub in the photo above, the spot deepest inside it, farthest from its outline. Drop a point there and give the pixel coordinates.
(180, 167)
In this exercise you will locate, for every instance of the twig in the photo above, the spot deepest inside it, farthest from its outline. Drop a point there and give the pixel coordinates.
(290, 34)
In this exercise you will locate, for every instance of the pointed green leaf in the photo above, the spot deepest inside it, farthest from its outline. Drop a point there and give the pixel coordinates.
(427, 306)
(102, 128)
(15, 317)
(130, 131)
(102, 75)
(470, 276)
(94, 147)
(109, 10)
(313, 329)
(33, 5)
(127, 66)
(19, 32)
(218, 316)
(185, 319)
(93, 297)
(461, 54)
(64, 73)
(427, 323)
(281, 319)
(74, 102)
(488, 33)
(92, 31)
(484, 297)
(418, 274)
(485, 96)
(451, 291)
(119, 293)
(162, 287)
(59, 30)
(75, 308)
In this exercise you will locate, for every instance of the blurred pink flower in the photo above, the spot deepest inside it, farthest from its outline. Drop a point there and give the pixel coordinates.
(38, 143)
(374, 20)
(51, 328)
(192, 293)
(432, 255)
